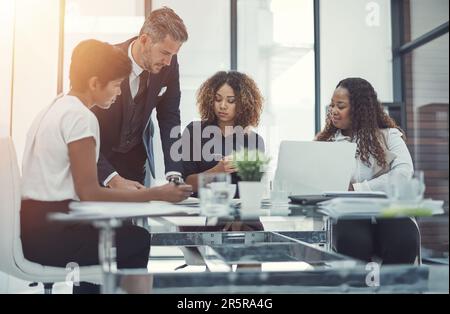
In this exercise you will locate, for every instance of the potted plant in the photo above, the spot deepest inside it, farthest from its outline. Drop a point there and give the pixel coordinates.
(251, 166)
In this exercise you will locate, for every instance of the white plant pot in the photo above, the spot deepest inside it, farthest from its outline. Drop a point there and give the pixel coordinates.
(251, 195)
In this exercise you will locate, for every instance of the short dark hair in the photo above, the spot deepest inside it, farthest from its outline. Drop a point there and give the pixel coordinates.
(93, 58)
(163, 22)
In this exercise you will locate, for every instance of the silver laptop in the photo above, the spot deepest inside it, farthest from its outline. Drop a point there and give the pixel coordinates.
(311, 168)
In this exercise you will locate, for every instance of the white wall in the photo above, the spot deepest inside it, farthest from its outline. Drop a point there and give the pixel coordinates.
(36, 64)
(6, 59)
(33, 73)
(356, 41)
(6, 53)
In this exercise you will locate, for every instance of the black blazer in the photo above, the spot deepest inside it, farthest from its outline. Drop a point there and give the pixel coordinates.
(168, 114)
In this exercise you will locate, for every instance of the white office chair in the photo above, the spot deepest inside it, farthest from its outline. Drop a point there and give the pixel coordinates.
(12, 260)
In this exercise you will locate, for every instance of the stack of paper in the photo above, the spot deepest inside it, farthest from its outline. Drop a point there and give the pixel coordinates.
(354, 194)
(377, 207)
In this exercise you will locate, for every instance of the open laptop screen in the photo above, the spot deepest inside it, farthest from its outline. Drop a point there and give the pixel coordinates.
(311, 168)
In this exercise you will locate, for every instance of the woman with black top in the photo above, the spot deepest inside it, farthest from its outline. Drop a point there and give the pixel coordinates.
(230, 104)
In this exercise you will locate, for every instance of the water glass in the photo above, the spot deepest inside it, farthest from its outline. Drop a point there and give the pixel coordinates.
(214, 191)
(279, 195)
(402, 188)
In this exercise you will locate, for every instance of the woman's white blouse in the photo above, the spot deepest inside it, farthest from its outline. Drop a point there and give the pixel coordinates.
(47, 174)
(363, 177)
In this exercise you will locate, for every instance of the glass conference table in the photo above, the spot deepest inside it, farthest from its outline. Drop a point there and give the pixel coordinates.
(295, 238)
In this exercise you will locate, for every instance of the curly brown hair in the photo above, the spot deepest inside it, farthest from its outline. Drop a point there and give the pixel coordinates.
(367, 119)
(249, 101)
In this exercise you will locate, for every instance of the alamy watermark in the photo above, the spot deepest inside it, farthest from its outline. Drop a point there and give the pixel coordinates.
(73, 274)
(208, 143)
(373, 277)
(373, 14)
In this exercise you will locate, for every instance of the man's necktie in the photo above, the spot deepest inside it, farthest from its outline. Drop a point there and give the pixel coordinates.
(143, 79)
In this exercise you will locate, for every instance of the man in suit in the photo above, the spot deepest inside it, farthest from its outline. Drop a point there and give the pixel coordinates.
(126, 129)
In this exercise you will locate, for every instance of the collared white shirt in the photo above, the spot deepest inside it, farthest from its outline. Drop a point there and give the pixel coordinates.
(47, 175)
(362, 178)
(135, 72)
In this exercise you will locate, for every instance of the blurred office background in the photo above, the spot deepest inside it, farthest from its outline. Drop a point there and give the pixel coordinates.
(296, 50)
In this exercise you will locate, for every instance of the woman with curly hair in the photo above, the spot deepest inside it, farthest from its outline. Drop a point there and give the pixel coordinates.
(356, 115)
(230, 104)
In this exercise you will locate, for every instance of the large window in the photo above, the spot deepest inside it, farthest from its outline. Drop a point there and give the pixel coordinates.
(111, 21)
(355, 42)
(276, 47)
(426, 15)
(424, 66)
(426, 95)
(206, 52)
(427, 109)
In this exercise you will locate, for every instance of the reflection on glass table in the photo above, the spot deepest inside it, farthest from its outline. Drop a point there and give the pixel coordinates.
(287, 218)
(362, 279)
(218, 251)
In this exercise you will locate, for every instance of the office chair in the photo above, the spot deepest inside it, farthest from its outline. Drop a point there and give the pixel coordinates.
(12, 260)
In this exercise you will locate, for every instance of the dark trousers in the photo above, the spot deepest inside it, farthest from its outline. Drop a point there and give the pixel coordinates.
(57, 244)
(130, 165)
(394, 241)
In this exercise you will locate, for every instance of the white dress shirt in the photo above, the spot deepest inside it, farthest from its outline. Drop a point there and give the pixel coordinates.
(135, 72)
(363, 177)
(47, 175)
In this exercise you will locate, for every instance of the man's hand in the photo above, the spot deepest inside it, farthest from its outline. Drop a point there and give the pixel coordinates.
(226, 166)
(173, 193)
(117, 182)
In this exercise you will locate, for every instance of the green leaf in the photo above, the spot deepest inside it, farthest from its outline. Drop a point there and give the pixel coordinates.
(251, 164)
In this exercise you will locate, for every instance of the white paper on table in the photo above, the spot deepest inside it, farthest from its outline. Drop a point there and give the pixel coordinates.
(122, 209)
(339, 207)
(190, 201)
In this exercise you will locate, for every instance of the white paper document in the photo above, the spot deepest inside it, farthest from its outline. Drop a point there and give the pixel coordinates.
(378, 207)
(120, 210)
